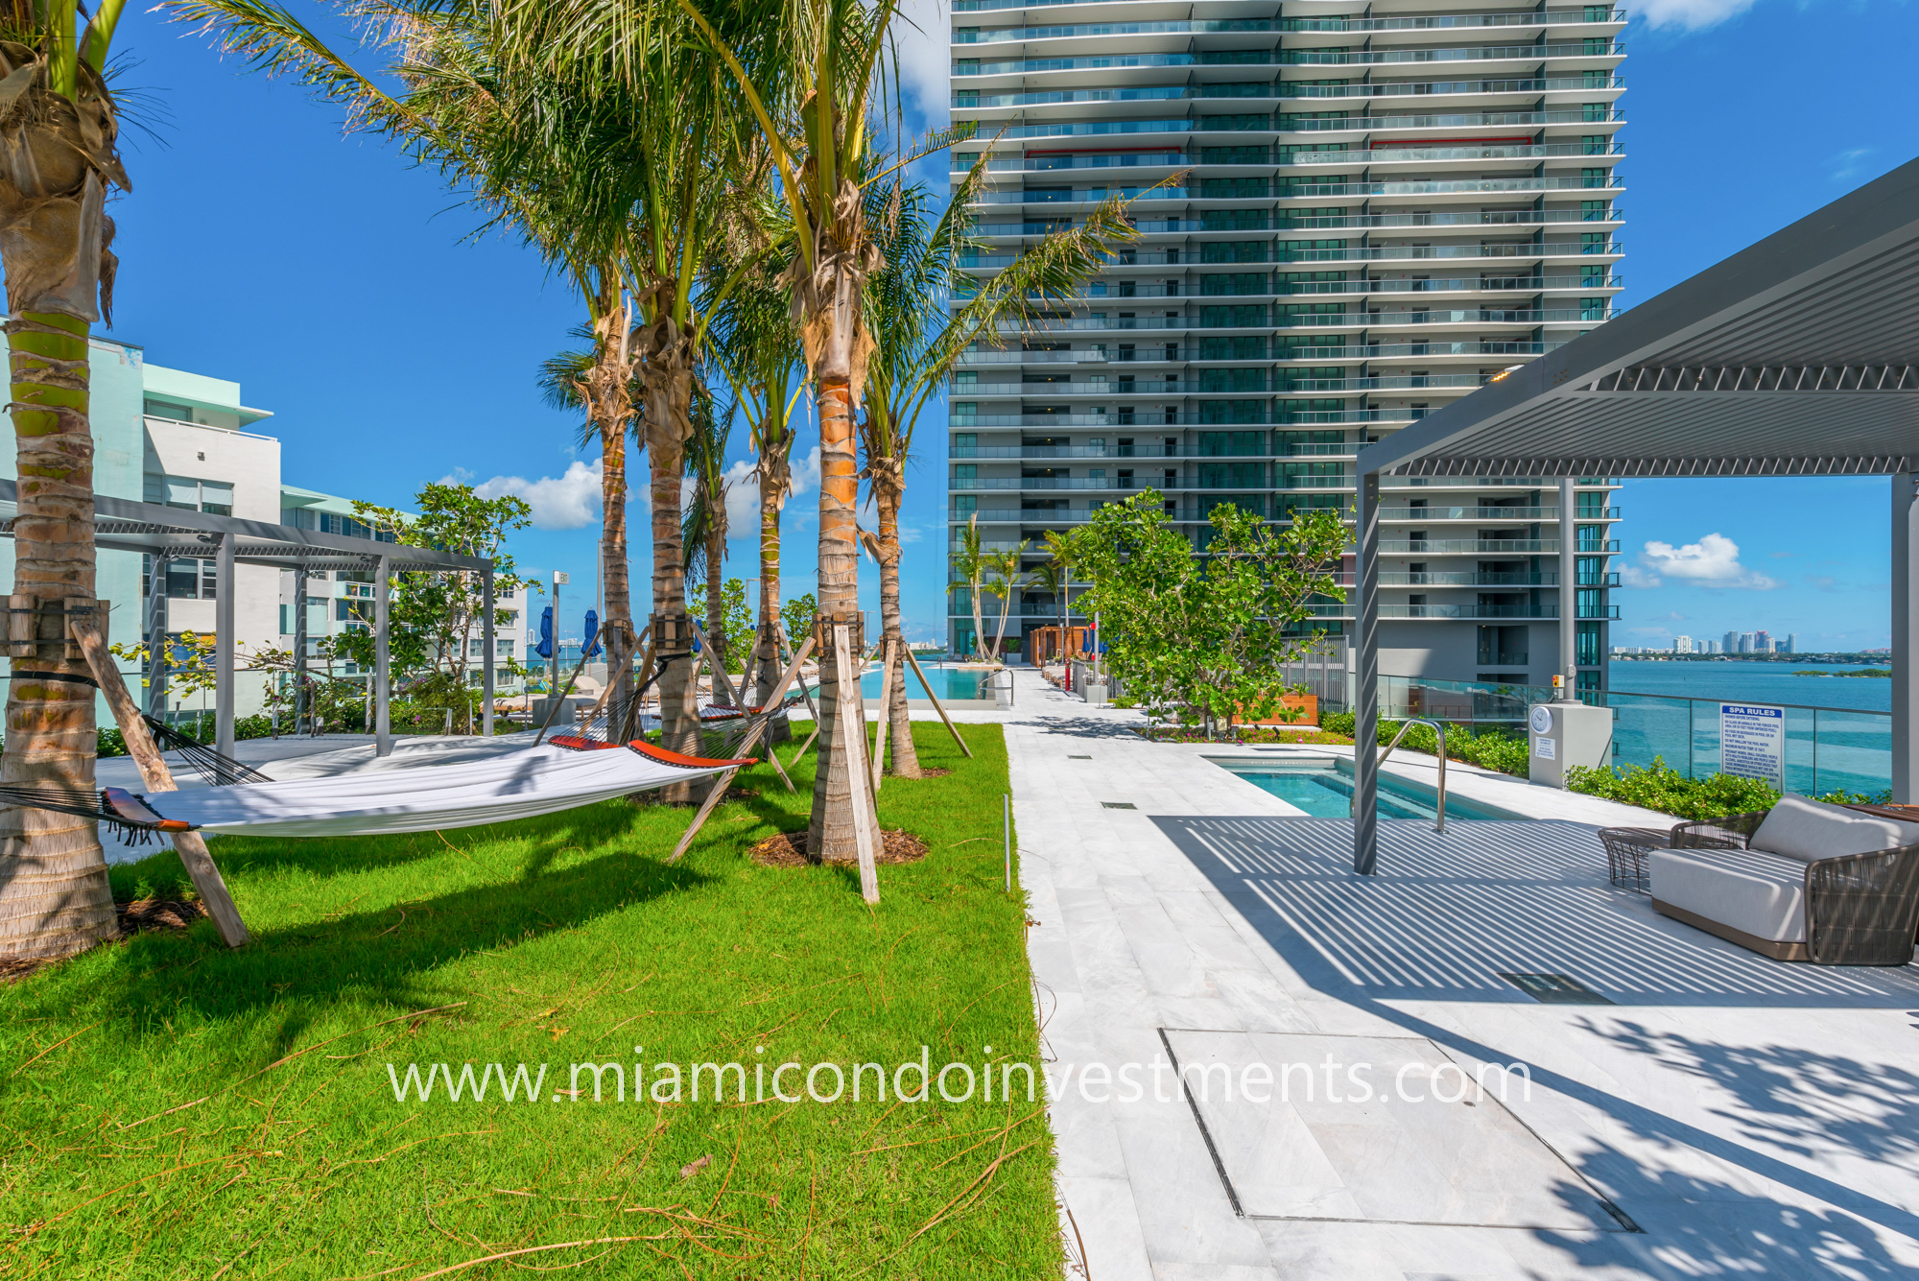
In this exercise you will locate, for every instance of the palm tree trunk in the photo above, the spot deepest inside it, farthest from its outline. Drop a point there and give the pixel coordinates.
(830, 836)
(773, 470)
(979, 621)
(669, 424)
(715, 595)
(613, 409)
(906, 761)
(54, 895)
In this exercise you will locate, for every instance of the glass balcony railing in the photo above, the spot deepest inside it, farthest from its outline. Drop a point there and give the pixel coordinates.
(1401, 88)
(1282, 418)
(1461, 120)
(1001, 35)
(1474, 151)
(1595, 48)
(1285, 221)
(1827, 748)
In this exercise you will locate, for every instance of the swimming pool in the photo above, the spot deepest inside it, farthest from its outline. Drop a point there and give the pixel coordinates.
(1323, 787)
(949, 683)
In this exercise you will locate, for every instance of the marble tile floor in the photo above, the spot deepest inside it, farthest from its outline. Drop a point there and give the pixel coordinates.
(1723, 1115)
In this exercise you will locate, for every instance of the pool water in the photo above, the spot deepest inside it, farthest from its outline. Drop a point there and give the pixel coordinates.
(948, 683)
(1323, 787)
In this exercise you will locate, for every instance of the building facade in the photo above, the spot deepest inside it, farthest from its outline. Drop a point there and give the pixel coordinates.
(1367, 211)
(186, 440)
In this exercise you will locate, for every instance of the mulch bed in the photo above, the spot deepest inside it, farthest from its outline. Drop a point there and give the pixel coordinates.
(135, 918)
(788, 849)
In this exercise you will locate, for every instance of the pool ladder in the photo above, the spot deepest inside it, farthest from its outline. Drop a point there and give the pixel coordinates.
(1437, 728)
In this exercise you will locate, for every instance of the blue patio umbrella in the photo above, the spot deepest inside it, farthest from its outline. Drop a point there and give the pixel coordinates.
(545, 648)
(591, 647)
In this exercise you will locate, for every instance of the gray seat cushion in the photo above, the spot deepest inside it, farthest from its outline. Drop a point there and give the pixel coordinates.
(1809, 830)
(1759, 894)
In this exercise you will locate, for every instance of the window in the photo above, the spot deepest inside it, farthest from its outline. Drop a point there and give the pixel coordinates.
(187, 579)
(963, 472)
(156, 408)
(1216, 444)
(1239, 282)
(213, 496)
(1232, 188)
(503, 648)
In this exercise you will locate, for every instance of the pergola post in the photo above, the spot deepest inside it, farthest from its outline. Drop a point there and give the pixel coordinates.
(486, 661)
(1568, 592)
(1905, 632)
(156, 630)
(1366, 697)
(382, 723)
(223, 647)
(299, 647)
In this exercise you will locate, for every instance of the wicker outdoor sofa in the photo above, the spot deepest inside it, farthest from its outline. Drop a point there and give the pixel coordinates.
(1803, 881)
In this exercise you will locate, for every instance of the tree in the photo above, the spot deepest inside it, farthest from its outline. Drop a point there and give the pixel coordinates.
(434, 617)
(704, 523)
(797, 617)
(59, 133)
(739, 622)
(1207, 635)
(969, 565)
(830, 56)
(930, 313)
(1006, 579)
(757, 350)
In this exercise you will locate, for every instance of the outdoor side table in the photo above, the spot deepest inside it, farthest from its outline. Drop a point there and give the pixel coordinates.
(1626, 850)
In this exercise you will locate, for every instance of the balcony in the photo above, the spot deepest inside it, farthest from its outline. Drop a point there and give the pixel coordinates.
(1378, 154)
(1439, 21)
(1467, 218)
(1088, 196)
(1544, 610)
(1310, 418)
(1530, 84)
(1151, 386)
(1480, 316)
(1420, 253)
(1002, 35)
(1301, 190)
(1469, 513)
(1455, 120)
(1598, 48)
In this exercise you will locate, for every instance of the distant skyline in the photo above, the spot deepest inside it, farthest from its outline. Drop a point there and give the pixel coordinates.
(346, 292)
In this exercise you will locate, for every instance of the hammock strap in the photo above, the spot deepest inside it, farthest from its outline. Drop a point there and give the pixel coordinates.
(216, 768)
(115, 807)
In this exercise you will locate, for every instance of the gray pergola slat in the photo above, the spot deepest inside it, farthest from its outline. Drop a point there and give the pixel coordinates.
(176, 533)
(1798, 356)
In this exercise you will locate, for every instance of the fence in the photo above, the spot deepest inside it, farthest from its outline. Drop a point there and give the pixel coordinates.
(1828, 749)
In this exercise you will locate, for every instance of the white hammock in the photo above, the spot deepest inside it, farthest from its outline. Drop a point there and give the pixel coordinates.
(519, 784)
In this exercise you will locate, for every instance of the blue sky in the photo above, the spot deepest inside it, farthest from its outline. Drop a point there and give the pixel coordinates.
(348, 293)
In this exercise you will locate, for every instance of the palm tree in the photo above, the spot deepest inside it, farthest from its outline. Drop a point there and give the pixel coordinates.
(969, 563)
(1005, 581)
(59, 128)
(1050, 577)
(925, 336)
(1056, 574)
(704, 523)
(831, 55)
(757, 350)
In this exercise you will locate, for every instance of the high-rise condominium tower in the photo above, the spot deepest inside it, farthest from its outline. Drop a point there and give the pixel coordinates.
(1368, 211)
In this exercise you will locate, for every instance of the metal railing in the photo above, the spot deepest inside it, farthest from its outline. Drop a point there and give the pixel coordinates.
(1827, 748)
(1437, 728)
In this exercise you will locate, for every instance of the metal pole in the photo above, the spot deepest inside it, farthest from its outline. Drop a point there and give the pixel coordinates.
(382, 669)
(1905, 633)
(1366, 697)
(223, 647)
(1568, 593)
(157, 654)
(300, 707)
(486, 660)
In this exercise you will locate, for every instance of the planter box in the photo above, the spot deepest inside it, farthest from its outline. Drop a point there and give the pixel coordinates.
(1307, 703)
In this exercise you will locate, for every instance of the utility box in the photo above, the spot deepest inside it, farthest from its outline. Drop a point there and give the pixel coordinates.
(1561, 735)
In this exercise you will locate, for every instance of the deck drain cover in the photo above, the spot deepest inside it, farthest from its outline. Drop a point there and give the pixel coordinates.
(1119, 805)
(1555, 989)
(1079, 758)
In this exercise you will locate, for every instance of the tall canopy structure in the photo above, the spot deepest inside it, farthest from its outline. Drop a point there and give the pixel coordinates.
(1798, 356)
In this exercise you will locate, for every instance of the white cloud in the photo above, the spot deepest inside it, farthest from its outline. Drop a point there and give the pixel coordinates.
(923, 45)
(743, 492)
(1712, 562)
(570, 500)
(1690, 15)
(1851, 163)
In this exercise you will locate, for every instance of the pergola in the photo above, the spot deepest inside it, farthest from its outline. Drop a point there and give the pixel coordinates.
(170, 533)
(1798, 356)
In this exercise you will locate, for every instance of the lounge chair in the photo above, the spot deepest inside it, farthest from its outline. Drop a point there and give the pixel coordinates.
(1803, 881)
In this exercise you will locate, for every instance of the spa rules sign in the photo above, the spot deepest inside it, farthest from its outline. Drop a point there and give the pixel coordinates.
(1752, 742)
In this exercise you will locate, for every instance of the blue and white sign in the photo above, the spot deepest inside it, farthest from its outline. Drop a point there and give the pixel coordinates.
(1752, 742)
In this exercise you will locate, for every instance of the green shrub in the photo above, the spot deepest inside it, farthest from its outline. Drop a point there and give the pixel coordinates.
(1491, 748)
(111, 744)
(1660, 787)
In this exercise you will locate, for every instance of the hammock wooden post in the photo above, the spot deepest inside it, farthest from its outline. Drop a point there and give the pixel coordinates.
(881, 721)
(725, 780)
(712, 658)
(553, 707)
(928, 687)
(811, 706)
(852, 715)
(191, 846)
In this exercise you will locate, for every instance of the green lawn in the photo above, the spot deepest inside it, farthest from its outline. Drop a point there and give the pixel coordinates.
(172, 1109)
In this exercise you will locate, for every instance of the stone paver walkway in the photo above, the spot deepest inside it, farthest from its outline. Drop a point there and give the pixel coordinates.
(1724, 1115)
